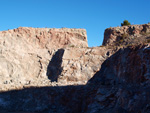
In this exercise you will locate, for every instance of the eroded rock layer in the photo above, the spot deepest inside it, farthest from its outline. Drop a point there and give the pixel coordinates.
(44, 37)
(45, 75)
(121, 85)
(129, 34)
(41, 57)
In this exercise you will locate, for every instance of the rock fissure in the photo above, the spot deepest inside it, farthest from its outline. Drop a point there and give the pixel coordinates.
(41, 67)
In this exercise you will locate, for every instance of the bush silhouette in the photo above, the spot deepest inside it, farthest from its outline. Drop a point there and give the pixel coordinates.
(125, 23)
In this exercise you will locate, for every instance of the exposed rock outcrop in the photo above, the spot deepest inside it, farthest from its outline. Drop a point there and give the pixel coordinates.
(120, 85)
(130, 34)
(47, 60)
(44, 37)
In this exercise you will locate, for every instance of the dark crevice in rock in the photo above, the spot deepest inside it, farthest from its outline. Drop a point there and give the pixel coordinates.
(54, 68)
(41, 67)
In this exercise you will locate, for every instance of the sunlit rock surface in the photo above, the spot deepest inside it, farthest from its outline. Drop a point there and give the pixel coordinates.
(47, 57)
(46, 75)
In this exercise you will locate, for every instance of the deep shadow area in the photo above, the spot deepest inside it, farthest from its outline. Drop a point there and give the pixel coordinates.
(105, 92)
(54, 68)
(59, 99)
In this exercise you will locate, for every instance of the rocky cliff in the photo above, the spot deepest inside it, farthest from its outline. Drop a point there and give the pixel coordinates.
(44, 37)
(47, 57)
(122, 84)
(41, 75)
(128, 35)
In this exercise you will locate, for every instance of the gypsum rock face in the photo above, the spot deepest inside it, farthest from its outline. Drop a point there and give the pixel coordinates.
(129, 34)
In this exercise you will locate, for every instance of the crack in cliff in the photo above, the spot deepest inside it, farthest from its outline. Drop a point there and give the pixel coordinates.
(41, 67)
(38, 38)
(54, 68)
(39, 57)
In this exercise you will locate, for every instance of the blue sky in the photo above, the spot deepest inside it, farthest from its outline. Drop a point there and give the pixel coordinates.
(93, 15)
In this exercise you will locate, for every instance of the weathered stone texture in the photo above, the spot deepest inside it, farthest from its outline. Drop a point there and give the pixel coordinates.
(71, 79)
(122, 84)
(47, 61)
(44, 37)
(113, 35)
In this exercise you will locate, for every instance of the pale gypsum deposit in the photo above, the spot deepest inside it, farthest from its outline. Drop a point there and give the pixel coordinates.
(46, 70)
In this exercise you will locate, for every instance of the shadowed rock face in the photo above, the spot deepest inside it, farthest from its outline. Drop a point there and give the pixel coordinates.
(122, 84)
(110, 90)
(58, 99)
(54, 68)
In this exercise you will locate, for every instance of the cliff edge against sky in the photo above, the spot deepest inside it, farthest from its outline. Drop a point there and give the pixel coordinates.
(54, 70)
